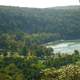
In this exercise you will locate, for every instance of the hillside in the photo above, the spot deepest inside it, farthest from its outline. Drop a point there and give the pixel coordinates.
(64, 22)
(23, 33)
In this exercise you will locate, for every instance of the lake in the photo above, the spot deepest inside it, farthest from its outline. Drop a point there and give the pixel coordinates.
(64, 46)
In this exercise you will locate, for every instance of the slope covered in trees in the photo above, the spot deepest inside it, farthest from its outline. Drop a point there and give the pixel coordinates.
(23, 30)
(61, 22)
(39, 64)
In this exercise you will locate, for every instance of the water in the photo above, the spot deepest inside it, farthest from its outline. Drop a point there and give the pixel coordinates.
(65, 46)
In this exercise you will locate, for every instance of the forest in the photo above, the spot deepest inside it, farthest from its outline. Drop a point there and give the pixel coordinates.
(22, 58)
(23, 31)
(61, 22)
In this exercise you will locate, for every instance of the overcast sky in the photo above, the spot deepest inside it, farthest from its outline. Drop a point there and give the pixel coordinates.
(39, 3)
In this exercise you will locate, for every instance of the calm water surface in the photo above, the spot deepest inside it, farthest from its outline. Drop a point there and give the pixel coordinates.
(65, 46)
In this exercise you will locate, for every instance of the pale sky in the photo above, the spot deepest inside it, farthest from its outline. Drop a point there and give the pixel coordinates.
(39, 3)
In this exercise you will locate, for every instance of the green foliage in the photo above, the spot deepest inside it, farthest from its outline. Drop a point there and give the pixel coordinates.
(54, 23)
(32, 67)
(70, 72)
(23, 32)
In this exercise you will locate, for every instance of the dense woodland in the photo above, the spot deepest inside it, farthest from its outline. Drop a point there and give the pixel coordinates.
(62, 22)
(23, 31)
(22, 58)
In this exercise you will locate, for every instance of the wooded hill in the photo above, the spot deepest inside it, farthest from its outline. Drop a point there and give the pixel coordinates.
(61, 22)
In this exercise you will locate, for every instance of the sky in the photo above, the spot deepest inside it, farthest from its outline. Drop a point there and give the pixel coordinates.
(39, 3)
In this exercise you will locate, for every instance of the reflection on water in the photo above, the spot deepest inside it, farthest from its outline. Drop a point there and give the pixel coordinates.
(65, 47)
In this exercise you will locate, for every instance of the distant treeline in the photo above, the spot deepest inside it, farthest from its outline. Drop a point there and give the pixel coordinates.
(61, 22)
